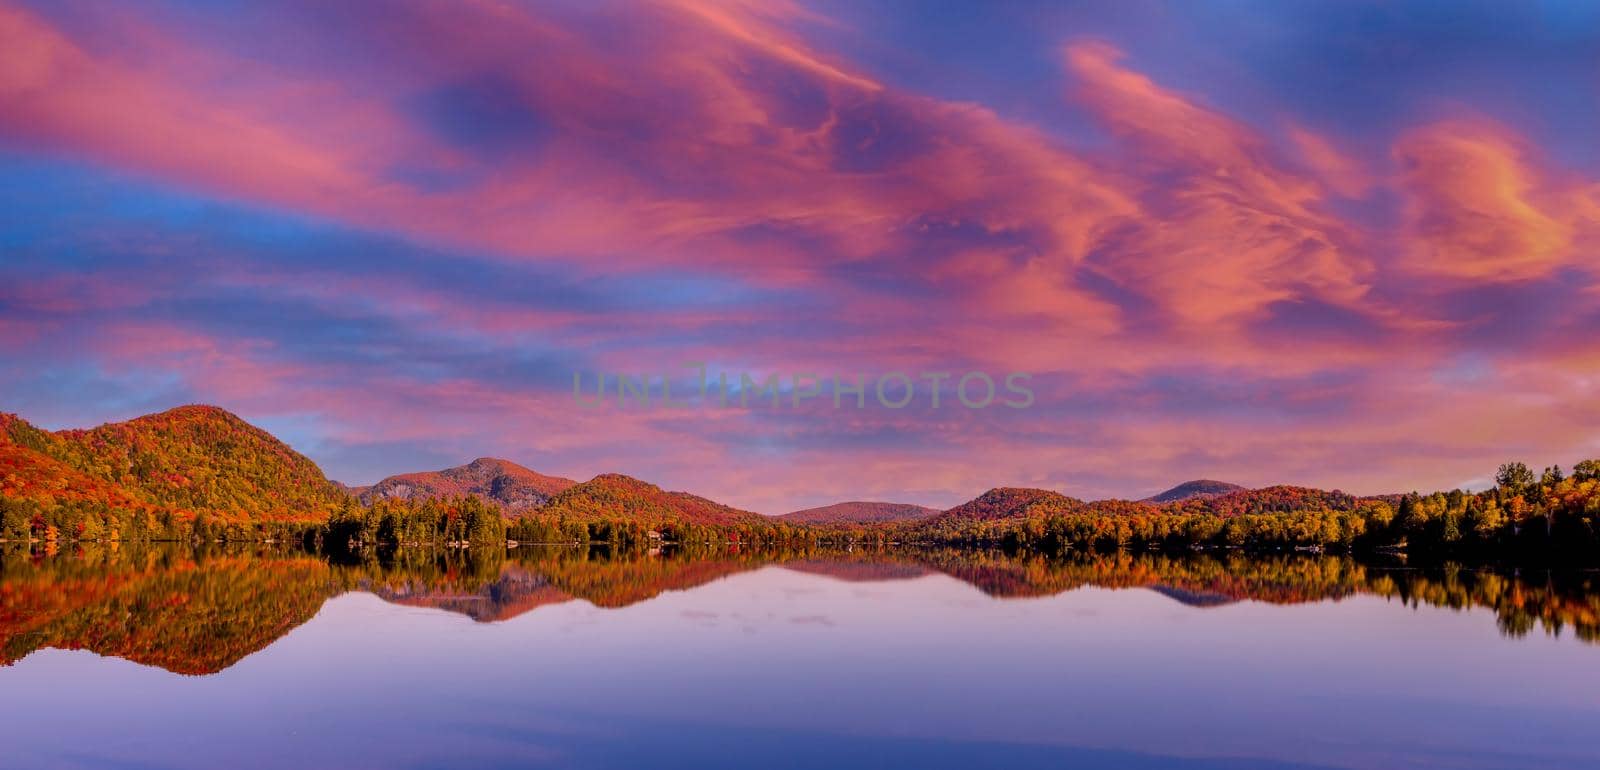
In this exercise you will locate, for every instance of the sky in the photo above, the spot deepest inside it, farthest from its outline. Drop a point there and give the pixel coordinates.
(1338, 244)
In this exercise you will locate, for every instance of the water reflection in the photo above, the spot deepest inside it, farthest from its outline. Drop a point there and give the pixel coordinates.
(200, 611)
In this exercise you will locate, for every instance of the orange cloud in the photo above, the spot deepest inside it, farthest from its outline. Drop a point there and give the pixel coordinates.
(1478, 209)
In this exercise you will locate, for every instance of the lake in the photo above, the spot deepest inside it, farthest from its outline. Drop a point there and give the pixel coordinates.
(583, 658)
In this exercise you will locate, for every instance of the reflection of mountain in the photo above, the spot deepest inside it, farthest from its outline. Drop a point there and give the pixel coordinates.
(1194, 598)
(513, 593)
(555, 576)
(858, 570)
(200, 613)
(625, 580)
(1278, 580)
(186, 616)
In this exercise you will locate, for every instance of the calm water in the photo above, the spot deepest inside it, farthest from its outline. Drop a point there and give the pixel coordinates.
(568, 658)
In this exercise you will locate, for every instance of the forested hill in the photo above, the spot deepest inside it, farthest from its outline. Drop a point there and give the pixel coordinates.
(1010, 502)
(858, 512)
(613, 495)
(184, 462)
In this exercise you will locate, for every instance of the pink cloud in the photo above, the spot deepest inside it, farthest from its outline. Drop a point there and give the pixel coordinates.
(924, 233)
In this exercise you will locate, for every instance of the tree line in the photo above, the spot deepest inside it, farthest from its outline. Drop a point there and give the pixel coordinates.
(1525, 513)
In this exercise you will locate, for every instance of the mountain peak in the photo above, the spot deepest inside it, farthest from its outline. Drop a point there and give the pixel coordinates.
(1197, 488)
(622, 480)
(488, 478)
(196, 410)
(190, 413)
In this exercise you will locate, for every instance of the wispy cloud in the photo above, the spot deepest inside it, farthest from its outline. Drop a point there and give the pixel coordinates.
(397, 234)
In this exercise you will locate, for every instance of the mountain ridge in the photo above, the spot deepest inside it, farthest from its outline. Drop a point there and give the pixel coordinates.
(1008, 502)
(612, 493)
(859, 512)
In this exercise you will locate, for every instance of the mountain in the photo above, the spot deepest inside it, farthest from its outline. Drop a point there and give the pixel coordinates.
(613, 495)
(181, 462)
(1275, 499)
(1007, 502)
(859, 513)
(1196, 488)
(498, 481)
(350, 490)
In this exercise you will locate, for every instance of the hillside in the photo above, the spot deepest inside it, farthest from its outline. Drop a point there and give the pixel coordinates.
(33, 477)
(1275, 499)
(1193, 489)
(167, 467)
(859, 513)
(506, 483)
(613, 496)
(1008, 502)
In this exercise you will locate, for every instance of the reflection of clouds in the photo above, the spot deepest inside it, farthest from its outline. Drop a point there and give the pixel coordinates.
(811, 620)
(702, 616)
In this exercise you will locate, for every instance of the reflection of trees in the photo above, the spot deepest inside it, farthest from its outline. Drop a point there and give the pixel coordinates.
(1552, 599)
(190, 614)
(496, 585)
(199, 611)
(619, 580)
(196, 612)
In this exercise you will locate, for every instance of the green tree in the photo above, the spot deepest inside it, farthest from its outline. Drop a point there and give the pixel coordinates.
(13, 521)
(1514, 477)
(1588, 470)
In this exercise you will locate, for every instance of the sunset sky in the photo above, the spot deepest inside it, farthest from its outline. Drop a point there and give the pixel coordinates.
(1339, 244)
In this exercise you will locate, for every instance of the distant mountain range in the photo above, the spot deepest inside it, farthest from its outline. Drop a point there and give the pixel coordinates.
(202, 459)
(859, 512)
